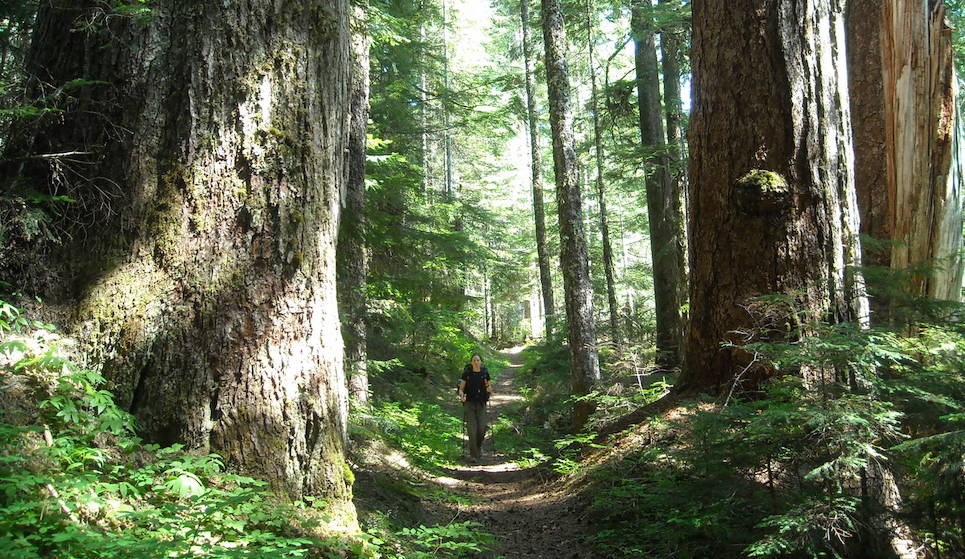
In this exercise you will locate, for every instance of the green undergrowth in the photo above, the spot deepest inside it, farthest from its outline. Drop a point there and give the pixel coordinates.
(425, 432)
(785, 472)
(76, 481)
(539, 433)
(409, 434)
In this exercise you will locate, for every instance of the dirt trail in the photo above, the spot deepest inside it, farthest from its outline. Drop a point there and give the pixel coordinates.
(530, 517)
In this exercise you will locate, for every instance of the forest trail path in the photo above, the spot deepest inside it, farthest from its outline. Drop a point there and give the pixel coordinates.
(530, 516)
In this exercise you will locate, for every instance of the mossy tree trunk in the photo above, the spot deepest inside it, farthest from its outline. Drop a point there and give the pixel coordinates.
(352, 251)
(536, 168)
(577, 288)
(772, 208)
(664, 197)
(202, 275)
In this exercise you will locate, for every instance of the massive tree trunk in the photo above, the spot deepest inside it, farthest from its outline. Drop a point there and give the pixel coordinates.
(536, 166)
(352, 251)
(577, 288)
(664, 202)
(904, 114)
(611, 290)
(924, 195)
(772, 206)
(206, 284)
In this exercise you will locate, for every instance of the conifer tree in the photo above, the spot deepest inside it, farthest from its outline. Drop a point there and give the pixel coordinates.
(664, 196)
(577, 288)
(198, 262)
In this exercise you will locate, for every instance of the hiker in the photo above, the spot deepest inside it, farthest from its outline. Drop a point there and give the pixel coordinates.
(474, 391)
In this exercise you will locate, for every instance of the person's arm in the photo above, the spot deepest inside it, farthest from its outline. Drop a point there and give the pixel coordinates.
(489, 385)
(462, 390)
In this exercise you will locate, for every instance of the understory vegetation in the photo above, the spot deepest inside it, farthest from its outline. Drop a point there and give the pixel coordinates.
(787, 471)
(78, 483)
(794, 470)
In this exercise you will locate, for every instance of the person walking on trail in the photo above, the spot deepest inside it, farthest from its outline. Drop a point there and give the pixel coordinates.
(474, 391)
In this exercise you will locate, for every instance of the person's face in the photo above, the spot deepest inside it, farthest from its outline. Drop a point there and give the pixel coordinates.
(476, 361)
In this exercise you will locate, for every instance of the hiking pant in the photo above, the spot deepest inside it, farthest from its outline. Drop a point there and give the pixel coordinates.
(475, 416)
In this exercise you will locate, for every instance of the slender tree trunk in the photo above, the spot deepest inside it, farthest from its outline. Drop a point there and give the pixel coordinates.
(771, 193)
(207, 287)
(664, 205)
(578, 290)
(671, 45)
(536, 166)
(924, 194)
(446, 117)
(424, 118)
(611, 290)
(352, 252)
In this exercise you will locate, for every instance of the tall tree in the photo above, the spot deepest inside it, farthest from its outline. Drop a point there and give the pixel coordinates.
(206, 285)
(672, 44)
(865, 72)
(664, 196)
(577, 288)
(772, 206)
(902, 71)
(920, 113)
(536, 168)
(446, 114)
(611, 290)
(352, 250)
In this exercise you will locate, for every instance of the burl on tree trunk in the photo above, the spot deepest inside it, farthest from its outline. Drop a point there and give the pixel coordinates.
(772, 202)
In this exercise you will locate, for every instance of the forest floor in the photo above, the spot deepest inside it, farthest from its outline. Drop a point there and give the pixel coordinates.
(529, 514)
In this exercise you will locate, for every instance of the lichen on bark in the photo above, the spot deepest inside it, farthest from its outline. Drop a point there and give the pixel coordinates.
(208, 291)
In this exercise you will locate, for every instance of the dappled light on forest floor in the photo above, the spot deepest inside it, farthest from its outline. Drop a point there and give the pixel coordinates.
(528, 516)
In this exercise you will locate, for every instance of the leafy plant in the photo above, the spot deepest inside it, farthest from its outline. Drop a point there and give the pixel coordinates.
(429, 435)
(76, 482)
(780, 472)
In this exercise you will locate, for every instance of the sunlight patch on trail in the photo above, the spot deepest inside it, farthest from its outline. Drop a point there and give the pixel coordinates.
(500, 398)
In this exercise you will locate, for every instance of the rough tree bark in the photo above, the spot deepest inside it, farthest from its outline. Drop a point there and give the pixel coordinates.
(611, 290)
(536, 167)
(207, 288)
(664, 202)
(772, 206)
(352, 252)
(577, 288)
(924, 195)
(772, 200)
(865, 88)
(904, 115)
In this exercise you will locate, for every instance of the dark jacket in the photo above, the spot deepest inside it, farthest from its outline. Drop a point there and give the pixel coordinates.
(476, 384)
